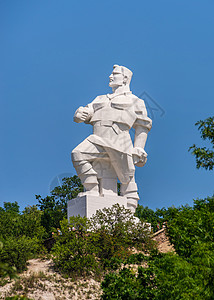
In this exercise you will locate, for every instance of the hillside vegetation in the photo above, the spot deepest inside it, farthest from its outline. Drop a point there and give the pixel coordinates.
(117, 252)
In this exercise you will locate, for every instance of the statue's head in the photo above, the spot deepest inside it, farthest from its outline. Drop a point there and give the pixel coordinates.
(120, 76)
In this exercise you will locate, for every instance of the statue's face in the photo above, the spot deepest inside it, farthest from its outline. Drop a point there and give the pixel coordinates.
(116, 79)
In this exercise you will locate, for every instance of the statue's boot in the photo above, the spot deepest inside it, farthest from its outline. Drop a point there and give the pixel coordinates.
(129, 190)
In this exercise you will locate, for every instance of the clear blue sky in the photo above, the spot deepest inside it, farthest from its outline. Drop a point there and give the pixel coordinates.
(57, 55)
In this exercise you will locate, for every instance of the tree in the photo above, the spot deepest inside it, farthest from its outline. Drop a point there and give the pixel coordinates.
(158, 217)
(118, 231)
(15, 224)
(147, 215)
(22, 236)
(5, 269)
(193, 226)
(54, 207)
(204, 156)
(73, 252)
(186, 274)
(93, 246)
(11, 207)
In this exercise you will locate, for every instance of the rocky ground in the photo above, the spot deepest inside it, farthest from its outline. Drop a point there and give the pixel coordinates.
(41, 282)
(162, 240)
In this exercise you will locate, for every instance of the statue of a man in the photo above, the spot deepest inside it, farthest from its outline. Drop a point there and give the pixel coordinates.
(112, 116)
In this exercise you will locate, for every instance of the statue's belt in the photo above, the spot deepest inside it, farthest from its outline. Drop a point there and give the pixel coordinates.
(116, 126)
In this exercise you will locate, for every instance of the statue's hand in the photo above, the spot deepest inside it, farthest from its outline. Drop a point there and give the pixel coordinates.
(81, 114)
(139, 156)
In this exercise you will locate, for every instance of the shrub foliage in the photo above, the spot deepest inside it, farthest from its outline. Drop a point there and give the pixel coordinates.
(186, 274)
(92, 246)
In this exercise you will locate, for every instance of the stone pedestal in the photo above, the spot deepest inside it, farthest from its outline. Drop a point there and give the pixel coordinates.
(87, 205)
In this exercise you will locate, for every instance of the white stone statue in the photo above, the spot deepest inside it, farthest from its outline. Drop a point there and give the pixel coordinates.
(108, 154)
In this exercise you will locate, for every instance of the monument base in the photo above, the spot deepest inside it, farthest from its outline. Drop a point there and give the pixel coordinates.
(87, 205)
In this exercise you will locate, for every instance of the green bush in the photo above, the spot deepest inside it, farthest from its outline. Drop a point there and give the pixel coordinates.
(176, 278)
(167, 276)
(181, 278)
(54, 207)
(21, 234)
(148, 215)
(31, 223)
(73, 251)
(118, 231)
(189, 274)
(101, 243)
(17, 251)
(14, 224)
(129, 284)
(158, 217)
(192, 226)
(5, 269)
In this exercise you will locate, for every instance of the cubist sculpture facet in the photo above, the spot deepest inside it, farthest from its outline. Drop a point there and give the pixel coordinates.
(109, 154)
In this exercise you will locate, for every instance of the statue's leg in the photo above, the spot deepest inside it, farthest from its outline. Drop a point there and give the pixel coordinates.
(125, 170)
(82, 157)
(87, 176)
(129, 190)
(107, 177)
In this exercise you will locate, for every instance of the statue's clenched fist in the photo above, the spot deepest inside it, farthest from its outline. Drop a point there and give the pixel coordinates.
(81, 114)
(139, 156)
